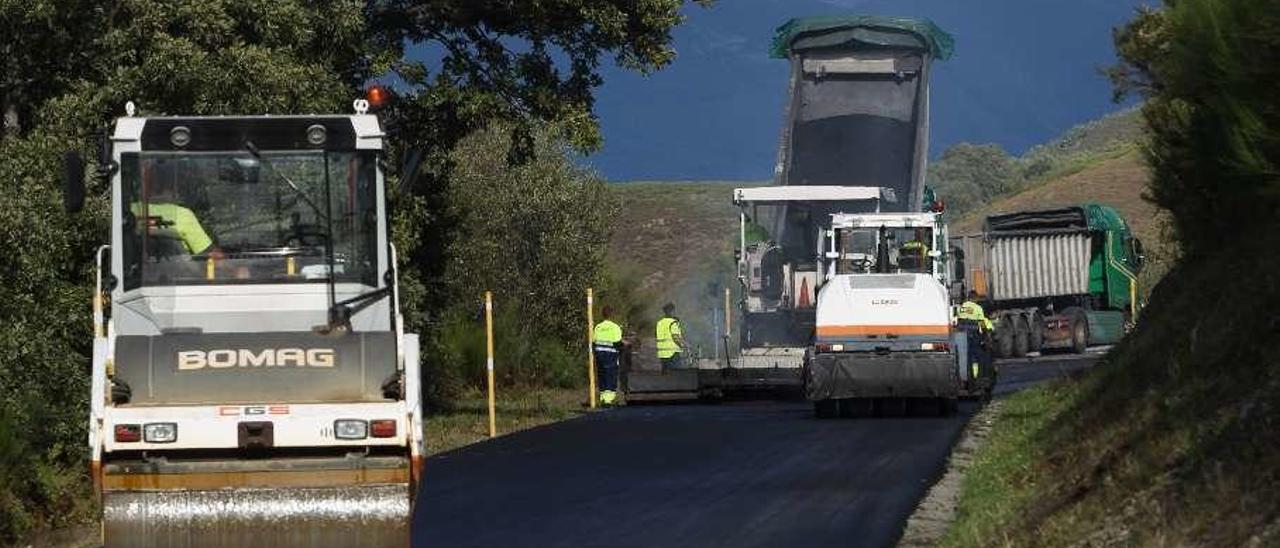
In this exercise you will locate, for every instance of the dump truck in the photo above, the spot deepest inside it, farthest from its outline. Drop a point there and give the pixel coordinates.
(252, 383)
(857, 132)
(1053, 279)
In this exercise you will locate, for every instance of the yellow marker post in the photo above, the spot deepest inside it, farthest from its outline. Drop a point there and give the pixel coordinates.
(591, 354)
(209, 268)
(488, 330)
(290, 266)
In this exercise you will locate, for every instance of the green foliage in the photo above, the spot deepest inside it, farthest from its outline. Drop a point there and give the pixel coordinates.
(44, 338)
(536, 236)
(1208, 71)
(968, 177)
(70, 65)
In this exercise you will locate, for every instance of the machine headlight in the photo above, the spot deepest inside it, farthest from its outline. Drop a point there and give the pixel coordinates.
(317, 134)
(350, 429)
(180, 136)
(160, 432)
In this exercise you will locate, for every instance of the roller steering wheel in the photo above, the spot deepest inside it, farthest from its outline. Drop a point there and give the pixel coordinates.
(307, 235)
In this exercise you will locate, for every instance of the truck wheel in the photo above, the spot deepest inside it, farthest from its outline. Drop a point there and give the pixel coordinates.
(1021, 336)
(854, 408)
(925, 407)
(1079, 331)
(950, 406)
(893, 407)
(1035, 325)
(1004, 337)
(826, 409)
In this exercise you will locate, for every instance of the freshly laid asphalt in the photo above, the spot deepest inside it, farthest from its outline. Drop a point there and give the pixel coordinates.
(741, 474)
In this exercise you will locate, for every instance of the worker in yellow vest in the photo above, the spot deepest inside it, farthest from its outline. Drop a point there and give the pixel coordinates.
(913, 256)
(606, 340)
(973, 319)
(971, 311)
(162, 210)
(670, 338)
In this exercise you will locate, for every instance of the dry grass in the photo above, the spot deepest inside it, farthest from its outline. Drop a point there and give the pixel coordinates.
(517, 409)
(670, 231)
(1118, 182)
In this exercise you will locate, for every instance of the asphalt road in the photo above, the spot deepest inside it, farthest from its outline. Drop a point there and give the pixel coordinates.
(738, 474)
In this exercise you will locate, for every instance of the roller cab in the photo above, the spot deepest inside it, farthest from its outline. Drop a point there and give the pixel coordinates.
(252, 383)
(883, 331)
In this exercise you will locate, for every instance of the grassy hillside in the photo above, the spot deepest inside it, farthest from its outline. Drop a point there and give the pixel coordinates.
(970, 176)
(677, 239)
(1118, 182)
(666, 231)
(1172, 441)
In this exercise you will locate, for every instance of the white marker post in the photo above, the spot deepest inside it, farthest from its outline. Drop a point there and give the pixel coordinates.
(488, 329)
(591, 351)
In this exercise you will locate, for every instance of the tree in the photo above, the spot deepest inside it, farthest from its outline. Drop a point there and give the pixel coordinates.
(523, 67)
(969, 176)
(1208, 71)
(535, 235)
(70, 66)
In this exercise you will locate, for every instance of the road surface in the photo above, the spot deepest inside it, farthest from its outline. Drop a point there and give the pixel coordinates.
(741, 474)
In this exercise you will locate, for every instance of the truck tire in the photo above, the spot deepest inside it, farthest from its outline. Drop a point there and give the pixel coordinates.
(925, 407)
(1079, 330)
(1035, 323)
(1021, 336)
(892, 407)
(857, 408)
(826, 409)
(1004, 337)
(950, 406)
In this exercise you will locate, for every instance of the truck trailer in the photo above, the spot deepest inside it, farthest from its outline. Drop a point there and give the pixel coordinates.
(252, 382)
(1052, 279)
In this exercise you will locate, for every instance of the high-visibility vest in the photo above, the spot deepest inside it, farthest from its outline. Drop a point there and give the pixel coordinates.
(972, 311)
(667, 330)
(606, 335)
(185, 224)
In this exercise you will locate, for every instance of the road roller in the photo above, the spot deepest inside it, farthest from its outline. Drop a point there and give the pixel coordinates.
(252, 381)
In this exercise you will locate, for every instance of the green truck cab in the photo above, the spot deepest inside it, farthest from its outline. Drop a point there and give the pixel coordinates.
(1063, 278)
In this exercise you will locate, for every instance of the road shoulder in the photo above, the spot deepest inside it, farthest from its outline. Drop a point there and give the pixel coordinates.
(936, 512)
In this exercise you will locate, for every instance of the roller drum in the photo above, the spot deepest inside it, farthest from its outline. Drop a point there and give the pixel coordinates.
(356, 516)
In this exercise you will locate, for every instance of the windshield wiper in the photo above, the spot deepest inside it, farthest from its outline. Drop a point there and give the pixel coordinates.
(257, 155)
(339, 313)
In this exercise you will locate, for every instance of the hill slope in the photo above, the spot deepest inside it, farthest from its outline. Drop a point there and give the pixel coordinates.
(667, 232)
(1171, 441)
(1117, 182)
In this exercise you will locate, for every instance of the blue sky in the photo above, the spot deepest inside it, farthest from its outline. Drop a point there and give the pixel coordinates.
(1023, 72)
